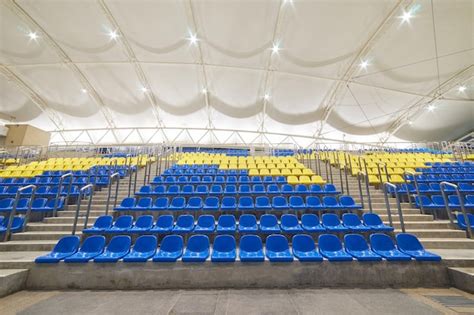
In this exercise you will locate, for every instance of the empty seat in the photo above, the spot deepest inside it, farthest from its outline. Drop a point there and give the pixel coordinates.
(161, 203)
(353, 223)
(248, 224)
(126, 204)
(246, 204)
(170, 250)
(226, 224)
(119, 247)
(373, 221)
(121, 225)
(273, 189)
(262, 203)
(277, 249)
(304, 248)
(143, 224)
(290, 224)
(230, 190)
(347, 202)
(383, 245)
(92, 247)
(101, 224)
(330, 203)
(224, 249)
(357, 246)
(315, 189)
(332, 223)
(173, 190)
(258, 189)
(177, 203)
(410, 245)
(279, 203)
(330, 189)
(197, 249)
(314, 203)
(187, 190)
(164, 224)
(143, 249)
(310, 223)
(297, 203)
(229, 203)
(269, 224)
(331, 248)
(462, 222)
(245, 190)
(251, 249)
(66, 247)
(287, 189)
(194, 204)
(301, 189)
(184, 224)
(202, 190)
(216, 190)
(211, 203)
(205, 224)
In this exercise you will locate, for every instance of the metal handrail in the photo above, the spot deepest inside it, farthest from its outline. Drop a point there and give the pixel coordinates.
(60, 187)
(79, 201)
(345, 173)
(415, 181)
(13, 212)
(399, 207)
(461, 202)
(369, 199)
(340, 173)
(111, 177)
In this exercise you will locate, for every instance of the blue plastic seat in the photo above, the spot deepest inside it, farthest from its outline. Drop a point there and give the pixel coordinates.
(310, 223)
(269, 224)
(226, 224)
(280, 180)
(332, 223)
(143, 249)
(164, 224)
(170, 250)
(187, 190)
(230, 190)
(211, 203)
(219, 180)
(280, 203)
(66, 246)
(258, 189)
(39, 205)
(184, 224)
(301, 189)
(244, 179)
(268, 180)
(205, 224)
(438, 202)
(251, 249)
(183, 179)
(353, 223)
(159, 190)
(170, 179)
(246, 204)
(314, 203)
(158, 180)
(256, 180)
(290, 224)
(262, 203)
(315, 189)
(143, 204)
(287, 189)
(207, 180)
(93, 246)
(273, 189)
(373, 221)
(143, 224)
(304, 248)
(101, 224)
(231, 180)
(121, 225)
(410, 245)
(330, 189)
(126, 204)
(347, 202)
(383, 245)
(229, 203)
(245, 190)
(277, 249)
(297, 203)
(119, 247)
(173, 190)
(331, 248)
(357, 246)
(144, 191)
(197, 249)
(161, 203)
(248, 223)
(194, 204)
(462, 222)
(177, 204)
(331, 203)
(454, 202)
(224, 249)
(216, 190)
(201, 190)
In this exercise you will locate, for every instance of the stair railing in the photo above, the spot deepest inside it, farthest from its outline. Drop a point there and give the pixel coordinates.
(461, 202)
(361, 174)
(415, 181)
(78, 206)
(111, 178)
(60, 188)
(399, 206)
(15, 205)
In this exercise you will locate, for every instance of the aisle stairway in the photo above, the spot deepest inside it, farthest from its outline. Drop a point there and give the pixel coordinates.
(42, 236)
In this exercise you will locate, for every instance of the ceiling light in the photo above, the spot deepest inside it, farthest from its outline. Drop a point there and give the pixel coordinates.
(266, 96)
(144, 89)
(113, 35)
(364, 64)
(204, 91)
(410, 122)
(33, 35)
(84, 91)
(288, 1)
(193, 38)
(275, 48)
(431, 107)
(462, 88)
(406, 16)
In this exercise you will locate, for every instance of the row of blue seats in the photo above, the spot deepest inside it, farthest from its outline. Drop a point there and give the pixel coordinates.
(450, 164)
(251, 249)
(429, 188)
(437, 202)
(45, 181)
(37, 205)
(218, 179)
(469, 178)
(262, 203)
(462, 222)
(446, 170)
(247, 223)
(16, 227)
(228, 152)
(96, 170)
(43, 191)
(204, 171)
(257, 189)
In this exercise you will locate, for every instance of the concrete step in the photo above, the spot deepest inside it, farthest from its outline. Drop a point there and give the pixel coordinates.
(41, 227)
(70, 220)
(27, 246)
(462, 278)
(408, 217)
(428, 225)
(82, 213)
(395, 210)
(452, 243)
(441, 234)
(42, 235)
(12, 280)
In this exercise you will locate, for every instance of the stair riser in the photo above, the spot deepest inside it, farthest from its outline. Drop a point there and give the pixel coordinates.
(38, 237)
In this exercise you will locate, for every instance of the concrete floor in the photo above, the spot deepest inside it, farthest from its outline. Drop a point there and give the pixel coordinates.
(321, 301)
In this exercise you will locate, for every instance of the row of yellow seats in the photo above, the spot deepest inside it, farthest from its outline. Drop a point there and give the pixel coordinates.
(16, 174)
(394, 179)
(263, 166)
(305, 179)
(390, 171)
(283, 172)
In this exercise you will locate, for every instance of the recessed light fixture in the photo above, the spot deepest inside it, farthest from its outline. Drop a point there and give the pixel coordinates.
(275, 48)
(33, 35)
(204, 91)
(193, 38)
(144, 89)
(431, 107)
(113, 35)
(84, 91)
(406, 16)
(364, 64)
(266, 96)
(462, 88)
(410, 122)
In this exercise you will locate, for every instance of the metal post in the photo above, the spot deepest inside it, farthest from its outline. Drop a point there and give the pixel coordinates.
(360, 189)
(78, 208)
(461, 202)
(345, 173)
(340, 173)
(28, 212)
(387, 203)
(129, 175)
(13, 212)
(111, 177)
(60, 187)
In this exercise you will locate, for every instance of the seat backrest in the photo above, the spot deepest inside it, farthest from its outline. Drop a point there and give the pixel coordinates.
(313, 201)
(161, 202)
(289, 220)
(173, 189)
(329, 201)
(178, 202)
(329, 242)
(206, 220)
(231, 189)
(470, 199)
(195, 201)
(198, 243)
(382, 242)
(228, 201)
(185, 220)
(144, 221)
(407, 241)
(303, 243)
(119, 243)
(160, 189)
(296, 200)
(259, 188)
(247, 220)
(212, 201)
(453, 199)
(309, 219)
(438, 200)
(104, 221)
(268, 220)
(244, 188)
(346, 201)
(371, 219)
(330, 219)
(226, 220)
(276, 243)
(251, 243)
(329, 188)
(145, 202)
(202, 189)
(224, 243)
(172, 243)
(273, 188)
(315, 188)
(145, 243)
(124, 221)
(355, 242)
(279, 201)
(93, 244)
(23, 203)
(246, 201)
(165, 221)
(216, 188)
(145, 189)
(188, 189)
(262, 201)
(286, 188)
(67, 244)
(128, 202)
(350, 219)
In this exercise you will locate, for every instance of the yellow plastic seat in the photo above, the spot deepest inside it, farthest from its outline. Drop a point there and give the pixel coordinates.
(305, 180)
(275, 172)
(397, 179)
(316, 179)
(253, 172)
(265, 172)
(285, 172)
(296, 171)
(307, 171)
(292, 180)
